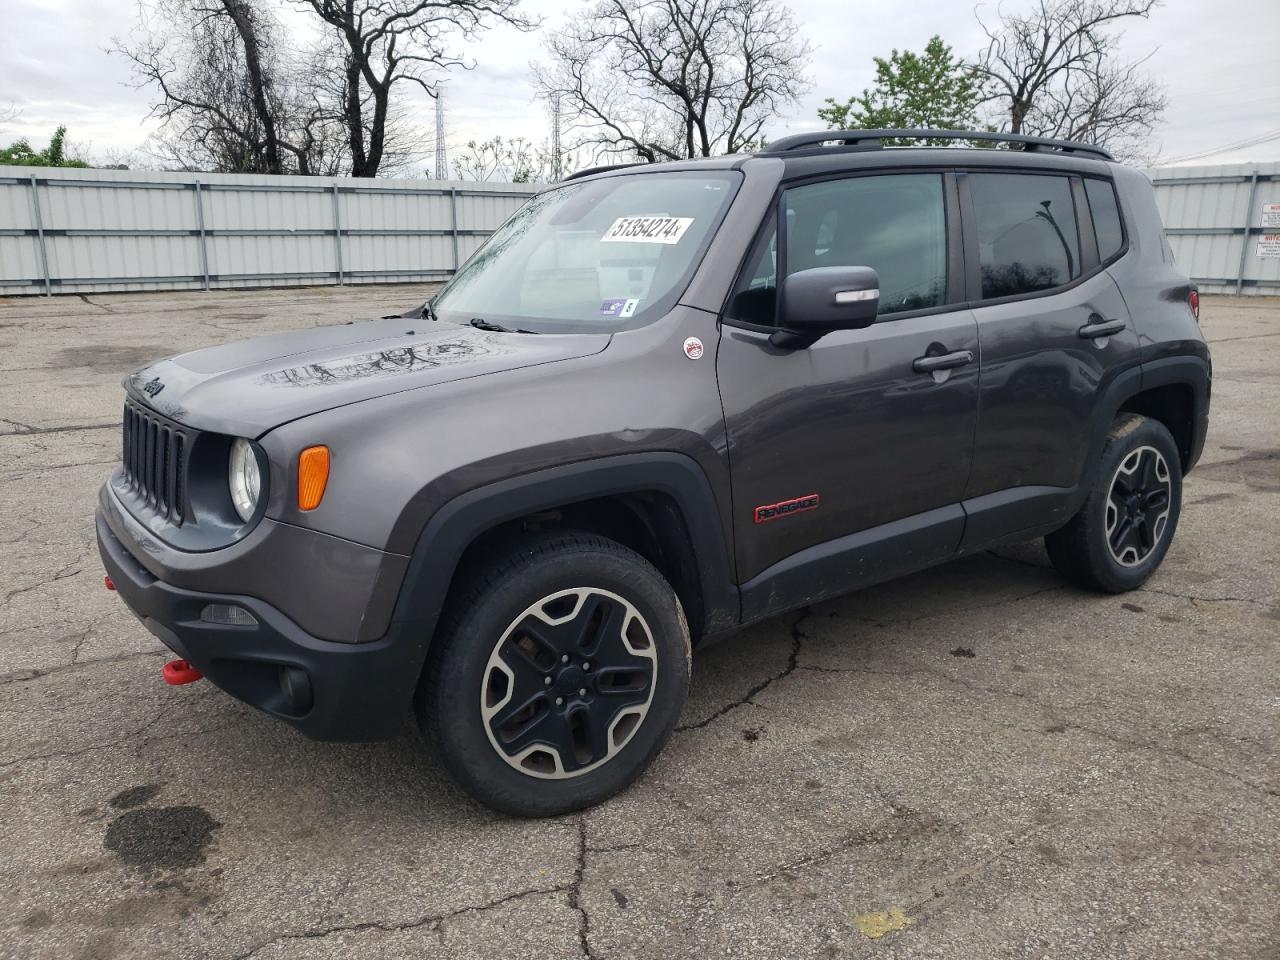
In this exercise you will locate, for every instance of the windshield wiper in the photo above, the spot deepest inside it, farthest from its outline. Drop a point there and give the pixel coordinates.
(482, 324)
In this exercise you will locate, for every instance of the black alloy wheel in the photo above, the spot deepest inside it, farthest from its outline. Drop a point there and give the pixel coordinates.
(569, 682)
(1138, 504)
(557, 674)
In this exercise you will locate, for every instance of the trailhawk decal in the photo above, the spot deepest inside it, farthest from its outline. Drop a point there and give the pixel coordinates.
(647, 230)
(772, 511)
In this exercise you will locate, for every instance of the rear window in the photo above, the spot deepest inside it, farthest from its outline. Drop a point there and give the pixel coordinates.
(1106, 217)
(1027, 236)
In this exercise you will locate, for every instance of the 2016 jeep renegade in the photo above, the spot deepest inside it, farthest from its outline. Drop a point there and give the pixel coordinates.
(659, 403)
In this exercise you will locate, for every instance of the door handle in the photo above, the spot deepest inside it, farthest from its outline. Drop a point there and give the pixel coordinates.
(943, 362)
(1097, 327)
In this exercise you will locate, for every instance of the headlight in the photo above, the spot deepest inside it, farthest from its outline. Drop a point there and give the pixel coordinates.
(244, 478)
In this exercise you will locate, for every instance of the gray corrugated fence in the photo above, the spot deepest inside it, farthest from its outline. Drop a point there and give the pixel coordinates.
(86, 231)
(1216, 224)
(93, 231)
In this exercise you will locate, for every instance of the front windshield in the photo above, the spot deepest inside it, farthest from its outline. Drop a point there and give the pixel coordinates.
(596, 256)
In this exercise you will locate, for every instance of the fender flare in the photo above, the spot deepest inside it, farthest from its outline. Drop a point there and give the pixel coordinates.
(456, 525)
(1189, 371)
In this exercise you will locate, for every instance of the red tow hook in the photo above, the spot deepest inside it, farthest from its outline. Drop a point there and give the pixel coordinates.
(178, 672)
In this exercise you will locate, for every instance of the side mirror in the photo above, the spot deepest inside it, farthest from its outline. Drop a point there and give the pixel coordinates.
(815, 302)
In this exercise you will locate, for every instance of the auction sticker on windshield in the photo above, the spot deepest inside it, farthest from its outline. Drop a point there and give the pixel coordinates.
(647, 230)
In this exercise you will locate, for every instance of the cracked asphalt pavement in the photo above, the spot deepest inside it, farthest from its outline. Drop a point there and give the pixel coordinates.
(975, 762)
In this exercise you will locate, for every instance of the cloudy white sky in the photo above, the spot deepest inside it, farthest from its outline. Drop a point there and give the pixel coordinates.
(1220, 60)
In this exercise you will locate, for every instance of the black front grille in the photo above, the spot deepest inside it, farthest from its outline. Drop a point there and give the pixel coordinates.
(155, 460)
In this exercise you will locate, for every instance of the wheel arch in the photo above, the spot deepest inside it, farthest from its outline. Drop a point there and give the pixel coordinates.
(661, 504)
(1172, 390)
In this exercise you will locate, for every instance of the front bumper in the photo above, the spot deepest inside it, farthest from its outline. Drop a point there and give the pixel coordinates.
(357, 691)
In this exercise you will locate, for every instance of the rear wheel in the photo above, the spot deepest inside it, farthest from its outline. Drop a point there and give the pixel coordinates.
(558, 675)
(1124, 528)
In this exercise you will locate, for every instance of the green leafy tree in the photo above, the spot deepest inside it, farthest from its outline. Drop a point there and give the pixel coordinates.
(21, 153)
(932, 90)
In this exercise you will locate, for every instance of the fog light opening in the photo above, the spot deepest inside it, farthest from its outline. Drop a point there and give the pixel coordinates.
(228, 614)
(295, 684)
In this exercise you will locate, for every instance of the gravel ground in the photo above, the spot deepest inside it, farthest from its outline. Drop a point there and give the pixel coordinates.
(975, 762)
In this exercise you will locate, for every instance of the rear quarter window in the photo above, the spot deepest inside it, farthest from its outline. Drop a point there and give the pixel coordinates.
(1106, 217)
(1027, 236)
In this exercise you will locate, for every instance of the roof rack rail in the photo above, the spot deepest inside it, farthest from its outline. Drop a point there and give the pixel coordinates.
(873, 140)
(579, 174)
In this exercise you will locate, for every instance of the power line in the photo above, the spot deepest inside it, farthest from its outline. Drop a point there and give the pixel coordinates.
(1238, 145)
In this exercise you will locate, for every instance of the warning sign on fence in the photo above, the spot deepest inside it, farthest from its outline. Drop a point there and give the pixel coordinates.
(1269, 246)
(1270, 216)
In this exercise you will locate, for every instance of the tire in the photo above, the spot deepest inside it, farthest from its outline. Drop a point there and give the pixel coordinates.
(528, 728)
(1123, 530)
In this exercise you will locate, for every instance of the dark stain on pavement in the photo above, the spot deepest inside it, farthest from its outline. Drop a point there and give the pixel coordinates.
(37, 920)
(1213, 498)
(752, 734)
(619, 897)
(1051, 854)
(170, 838)
(135, 796)
(1257, 469)
(108, 359)
(1132, 607)
(963, 652)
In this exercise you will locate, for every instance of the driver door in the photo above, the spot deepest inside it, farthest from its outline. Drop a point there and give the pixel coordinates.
(848, 462)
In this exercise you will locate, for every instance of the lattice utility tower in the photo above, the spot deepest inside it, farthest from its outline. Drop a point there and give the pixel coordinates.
(557, 159)
(442, 156)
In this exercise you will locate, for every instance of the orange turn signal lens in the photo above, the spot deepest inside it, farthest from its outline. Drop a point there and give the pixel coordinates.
(313, 475)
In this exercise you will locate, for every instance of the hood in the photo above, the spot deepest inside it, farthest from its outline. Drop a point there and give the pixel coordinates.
(250, 387)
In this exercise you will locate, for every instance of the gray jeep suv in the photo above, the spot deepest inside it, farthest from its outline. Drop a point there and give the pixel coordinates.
(662, 402)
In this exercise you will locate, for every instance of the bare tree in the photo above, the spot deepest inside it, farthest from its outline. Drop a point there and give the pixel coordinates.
(672, 79)
(1056, 72)
(388, 44)
(232, 97)
(328, 92)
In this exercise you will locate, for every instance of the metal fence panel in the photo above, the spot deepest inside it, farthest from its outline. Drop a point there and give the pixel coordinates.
(91, 231)
(85, 231)
(1214, 221)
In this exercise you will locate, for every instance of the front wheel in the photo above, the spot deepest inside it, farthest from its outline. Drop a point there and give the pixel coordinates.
(559, 674)
(1123, 530)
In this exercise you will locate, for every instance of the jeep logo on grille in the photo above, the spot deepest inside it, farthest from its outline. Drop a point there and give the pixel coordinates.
(152, 387)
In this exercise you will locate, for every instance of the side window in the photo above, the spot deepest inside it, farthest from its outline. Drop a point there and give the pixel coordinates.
(755, 299)
(1106, 217)
(895, 224)
(1027, 236)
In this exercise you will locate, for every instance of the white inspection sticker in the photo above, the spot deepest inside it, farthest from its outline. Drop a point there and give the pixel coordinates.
(647, 229)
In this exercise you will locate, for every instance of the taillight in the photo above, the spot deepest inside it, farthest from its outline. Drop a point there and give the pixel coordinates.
(1193, 300)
